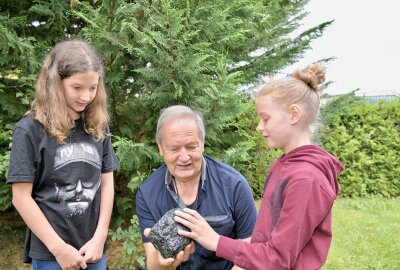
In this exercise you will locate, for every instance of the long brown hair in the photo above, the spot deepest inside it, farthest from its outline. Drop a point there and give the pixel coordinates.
(50, 108)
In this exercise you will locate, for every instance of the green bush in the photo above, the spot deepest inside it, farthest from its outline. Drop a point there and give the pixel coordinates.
(365, 137)
(5, 142)
(250, 155)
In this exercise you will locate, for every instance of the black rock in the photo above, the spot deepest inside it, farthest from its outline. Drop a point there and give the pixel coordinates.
(165, 238)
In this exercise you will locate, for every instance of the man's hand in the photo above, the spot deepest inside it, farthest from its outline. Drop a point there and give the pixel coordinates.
(201, 231)
(182, 256)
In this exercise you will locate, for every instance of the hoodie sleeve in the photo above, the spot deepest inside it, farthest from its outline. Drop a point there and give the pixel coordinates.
(305, 206)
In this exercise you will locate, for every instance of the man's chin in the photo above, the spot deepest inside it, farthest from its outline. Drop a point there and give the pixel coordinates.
(185, 176)
(76, 206)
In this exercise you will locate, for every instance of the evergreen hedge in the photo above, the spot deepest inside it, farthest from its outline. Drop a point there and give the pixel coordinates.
(366, 138)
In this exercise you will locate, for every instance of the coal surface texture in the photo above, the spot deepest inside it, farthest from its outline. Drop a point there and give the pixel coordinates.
(164, 235)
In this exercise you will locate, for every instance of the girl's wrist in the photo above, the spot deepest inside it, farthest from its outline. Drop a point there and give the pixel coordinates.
(101, 234)
(55, 246)
(215, 243)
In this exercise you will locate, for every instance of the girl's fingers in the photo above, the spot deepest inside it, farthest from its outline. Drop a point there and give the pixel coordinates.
(82, 250)
(193, 213)
(189, 214)
(185, 233)
(185, 216)
(184, 222)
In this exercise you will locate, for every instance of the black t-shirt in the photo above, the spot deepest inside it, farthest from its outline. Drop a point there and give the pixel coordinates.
(66, 180)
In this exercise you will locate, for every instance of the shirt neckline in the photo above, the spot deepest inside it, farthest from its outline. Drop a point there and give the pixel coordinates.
(169, 185)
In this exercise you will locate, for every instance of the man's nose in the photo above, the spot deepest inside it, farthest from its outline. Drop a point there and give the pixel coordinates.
(183, 155)
(79, 187)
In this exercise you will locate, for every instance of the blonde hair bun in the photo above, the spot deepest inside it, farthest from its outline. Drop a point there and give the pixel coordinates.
(313, 75)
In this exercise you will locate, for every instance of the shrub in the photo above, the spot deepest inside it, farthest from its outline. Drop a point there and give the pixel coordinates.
(365, 137)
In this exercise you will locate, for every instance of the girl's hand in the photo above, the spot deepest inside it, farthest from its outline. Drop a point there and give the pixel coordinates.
(201, 231)
(68, 257)
(92, 251)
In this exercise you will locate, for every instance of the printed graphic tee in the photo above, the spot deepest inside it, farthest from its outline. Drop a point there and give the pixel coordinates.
(66, 180)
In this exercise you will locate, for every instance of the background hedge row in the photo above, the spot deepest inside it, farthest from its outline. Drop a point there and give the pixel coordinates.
(366, 138)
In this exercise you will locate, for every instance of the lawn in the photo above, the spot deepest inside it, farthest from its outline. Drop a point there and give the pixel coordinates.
(366, 235)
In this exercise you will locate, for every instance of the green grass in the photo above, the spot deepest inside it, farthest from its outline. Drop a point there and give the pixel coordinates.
(366, 235)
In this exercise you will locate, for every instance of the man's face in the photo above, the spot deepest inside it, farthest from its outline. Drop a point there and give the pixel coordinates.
(77, 168)
(182, 149)
(77, 196)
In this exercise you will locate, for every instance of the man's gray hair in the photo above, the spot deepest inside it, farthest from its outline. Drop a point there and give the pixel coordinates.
(178, 111)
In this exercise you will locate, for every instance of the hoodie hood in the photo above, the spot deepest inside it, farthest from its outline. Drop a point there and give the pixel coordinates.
(328, 164)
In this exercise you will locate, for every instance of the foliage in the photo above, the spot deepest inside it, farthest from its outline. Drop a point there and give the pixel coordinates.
(160, 53)
(157, 53)
(131, 241)
(250, 155)
(366, 138)
(137, 160)
(5, 141)
(5, 196)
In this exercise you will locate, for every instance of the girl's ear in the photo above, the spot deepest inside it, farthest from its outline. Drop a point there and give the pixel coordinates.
(296, 113)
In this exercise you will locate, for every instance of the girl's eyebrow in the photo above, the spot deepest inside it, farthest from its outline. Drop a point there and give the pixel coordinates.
(80, 84)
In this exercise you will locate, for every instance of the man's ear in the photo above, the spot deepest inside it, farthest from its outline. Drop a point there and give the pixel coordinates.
(296, 113)
(160, 150)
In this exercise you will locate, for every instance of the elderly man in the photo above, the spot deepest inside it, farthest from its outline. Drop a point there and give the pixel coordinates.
(191, 179)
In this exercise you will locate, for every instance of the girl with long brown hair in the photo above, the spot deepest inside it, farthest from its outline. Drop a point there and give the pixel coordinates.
(62, 163)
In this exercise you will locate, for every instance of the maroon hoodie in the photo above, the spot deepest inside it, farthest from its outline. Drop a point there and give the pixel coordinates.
(293, 229)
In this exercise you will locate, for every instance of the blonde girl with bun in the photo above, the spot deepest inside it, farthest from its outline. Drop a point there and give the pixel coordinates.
(293, 228)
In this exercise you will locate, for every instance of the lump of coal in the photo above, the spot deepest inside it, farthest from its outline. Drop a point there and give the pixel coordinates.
(165, 238)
